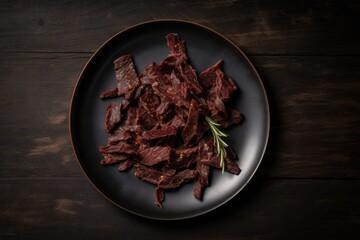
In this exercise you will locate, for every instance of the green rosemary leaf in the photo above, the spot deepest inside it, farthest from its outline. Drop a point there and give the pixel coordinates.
(220, 144)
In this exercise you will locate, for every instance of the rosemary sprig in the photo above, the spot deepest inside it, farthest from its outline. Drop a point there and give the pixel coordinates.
(220, 144)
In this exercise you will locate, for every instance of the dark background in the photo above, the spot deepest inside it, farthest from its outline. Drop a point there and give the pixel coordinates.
(308, 56)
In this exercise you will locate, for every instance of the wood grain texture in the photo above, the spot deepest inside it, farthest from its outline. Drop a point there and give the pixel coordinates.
(266, 27)
(308, 56)
(314, 115)
(275, 209)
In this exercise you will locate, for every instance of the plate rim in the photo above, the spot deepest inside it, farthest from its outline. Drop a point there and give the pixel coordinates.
(94, 55)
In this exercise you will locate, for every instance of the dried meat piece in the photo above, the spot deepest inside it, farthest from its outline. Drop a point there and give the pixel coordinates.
(234, 117)
(126, 76)
(113, 116)
(144, 119)
(191, 125)
(208, 77)
(178, 121)
(175, 181)
(168, 171)
(121, 147)
(109, 93)
(217, 109)
(175, 45)
(170, 94)
(166, 67)
(224, 87)
(120, 134)
(206, 152)
(159, 196)
(183, 158)
(147, 174)
(189, 76)
(150, 102)
(111, 158)
(164, 131)
(202, 181)
(202, 129)
(154, 155)
(125, 165)
(165, 112)
(206, 148)
(147, 76)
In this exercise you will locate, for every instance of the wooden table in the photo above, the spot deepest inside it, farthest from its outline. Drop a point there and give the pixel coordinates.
(308, 56)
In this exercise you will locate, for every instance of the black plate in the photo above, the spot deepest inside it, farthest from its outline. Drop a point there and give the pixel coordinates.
(146, 42)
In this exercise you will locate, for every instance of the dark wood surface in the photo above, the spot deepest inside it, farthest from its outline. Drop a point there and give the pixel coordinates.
(308, 56)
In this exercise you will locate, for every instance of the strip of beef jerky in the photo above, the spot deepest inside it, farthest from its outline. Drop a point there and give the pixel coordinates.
(159, 196)
(121, 147)
(170, 94)
(147, 174)
(168, 171)
(109, 93)
(126, 76)
(120, 134)
(147, 76)
(154, 155)
(144, 119)
(175, 181)
(164, 131)
(191, 125)
(202, 181)
(150, 102)
(208, 77)
(125, 165)
(183, 158)
(114, 114)
(224, 87)
(189, 76)
(205, 151)
(177, 121)
(111, 158)
(234, 116)
(175, 45)
(217, 109)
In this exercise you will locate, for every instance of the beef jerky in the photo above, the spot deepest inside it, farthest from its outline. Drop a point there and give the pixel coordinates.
(164, 131)
(150, 102)
(154, 155)
(234, 117)
(189, 76)
(208, 77)
(202, 180)
(125, 165)
(191, 125)
(224, 87)
(170, 94)
(159, 196)
(183, 158)
(113, 116)
(120, 134)
(109, 93)
(144, 119)
(175, 181)
(121, 147)
(147, 174)
(126, 76)
(175, 45)
(111, 158)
